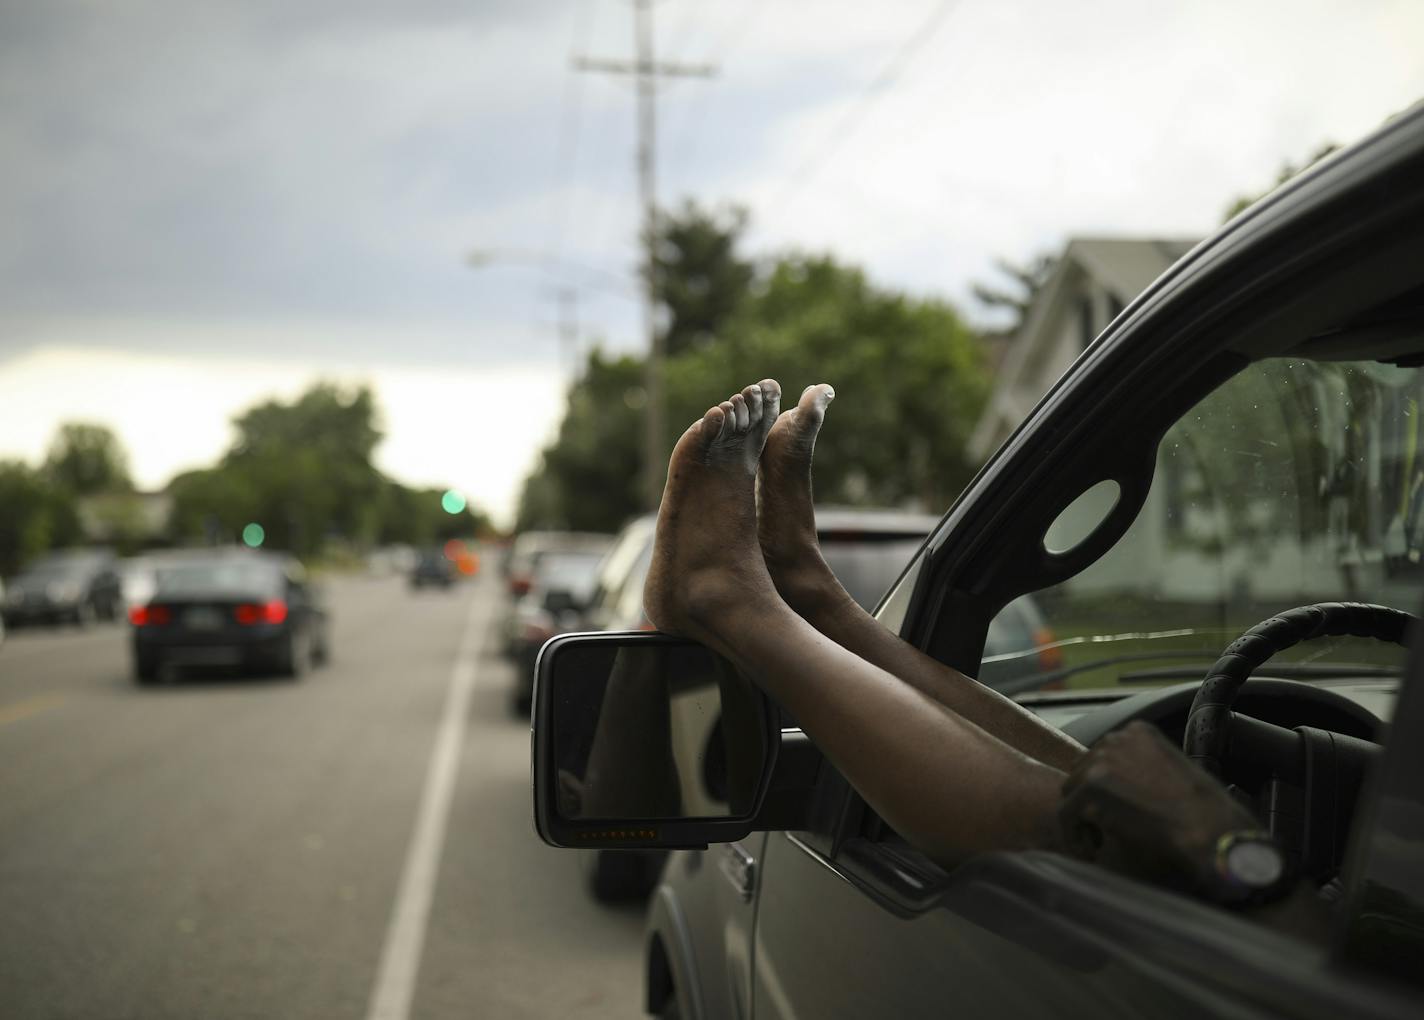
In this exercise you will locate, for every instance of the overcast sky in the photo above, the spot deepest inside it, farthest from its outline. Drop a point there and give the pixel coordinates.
(207, 202)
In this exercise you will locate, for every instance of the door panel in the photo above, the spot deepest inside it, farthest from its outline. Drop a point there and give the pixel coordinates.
(1025, 935)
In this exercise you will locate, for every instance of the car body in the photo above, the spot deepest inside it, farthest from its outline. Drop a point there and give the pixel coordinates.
(432, 569)
(1240, 440)
(75, 586)
(233, 609)
(562, 582)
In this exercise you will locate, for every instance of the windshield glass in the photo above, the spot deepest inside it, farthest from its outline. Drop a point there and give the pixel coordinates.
(1295, 482)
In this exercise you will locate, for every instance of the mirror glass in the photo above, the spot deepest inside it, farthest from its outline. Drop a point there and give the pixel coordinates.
(655, 730)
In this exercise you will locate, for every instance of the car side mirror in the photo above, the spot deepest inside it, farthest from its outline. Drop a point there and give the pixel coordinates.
(642, 740)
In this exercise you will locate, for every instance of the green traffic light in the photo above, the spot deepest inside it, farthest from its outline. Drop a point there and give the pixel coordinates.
(452, 502)
(253, 535)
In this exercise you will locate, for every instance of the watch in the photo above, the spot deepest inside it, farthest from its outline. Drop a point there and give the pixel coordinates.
(1248, 869)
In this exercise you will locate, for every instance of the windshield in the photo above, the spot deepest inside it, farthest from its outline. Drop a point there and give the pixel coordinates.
(1295, 482)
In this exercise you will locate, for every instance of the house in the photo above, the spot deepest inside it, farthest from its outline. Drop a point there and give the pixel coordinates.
(1094, 280)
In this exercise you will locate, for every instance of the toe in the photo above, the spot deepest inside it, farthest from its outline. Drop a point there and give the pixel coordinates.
(739, 403)
(712, 422)
(729, 418)
(814, 401)
(752, 395)
(770, 398)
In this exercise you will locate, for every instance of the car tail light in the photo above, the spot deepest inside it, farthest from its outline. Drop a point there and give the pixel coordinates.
(250, 613)
(150, 616)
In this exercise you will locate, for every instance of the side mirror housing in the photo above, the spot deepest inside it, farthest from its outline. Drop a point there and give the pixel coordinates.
(646, 741)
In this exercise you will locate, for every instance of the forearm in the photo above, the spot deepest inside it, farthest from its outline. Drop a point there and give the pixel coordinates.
(938, 779)
(836, 615)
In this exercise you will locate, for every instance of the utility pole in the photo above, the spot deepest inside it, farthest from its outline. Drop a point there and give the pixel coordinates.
(647, 71)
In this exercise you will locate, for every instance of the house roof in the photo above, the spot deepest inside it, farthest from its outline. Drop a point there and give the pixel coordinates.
(1124, 266)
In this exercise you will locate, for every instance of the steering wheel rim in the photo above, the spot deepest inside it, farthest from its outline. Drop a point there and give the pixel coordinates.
(1208, 729)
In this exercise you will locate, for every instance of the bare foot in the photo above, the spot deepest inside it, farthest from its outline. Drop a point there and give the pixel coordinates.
(707, 565)
(786, 520)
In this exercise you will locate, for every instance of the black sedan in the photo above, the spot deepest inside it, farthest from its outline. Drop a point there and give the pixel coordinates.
(252, 612)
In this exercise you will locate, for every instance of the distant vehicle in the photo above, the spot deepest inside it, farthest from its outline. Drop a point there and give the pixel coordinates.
(559, 592)
(866, 549)
(529, 547)
(251, 611)
(75, 586)
(433, 569)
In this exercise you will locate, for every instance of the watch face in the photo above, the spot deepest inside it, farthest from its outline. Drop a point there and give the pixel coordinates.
(1253, 864)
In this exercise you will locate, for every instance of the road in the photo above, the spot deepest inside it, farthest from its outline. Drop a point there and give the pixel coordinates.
(247, 848)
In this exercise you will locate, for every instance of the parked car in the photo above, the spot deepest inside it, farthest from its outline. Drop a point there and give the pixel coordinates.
(76, 586)
(865, 548)
(561, 585)
(256, 612)
(1241, 440)
(432, 569)
(529, 546)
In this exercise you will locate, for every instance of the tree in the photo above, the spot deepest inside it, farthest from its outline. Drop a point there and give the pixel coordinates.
(697, 275)
(88, 459)
(303, 470)
(587, 478)
(39, 515)
(910, 375)
(1026, 281)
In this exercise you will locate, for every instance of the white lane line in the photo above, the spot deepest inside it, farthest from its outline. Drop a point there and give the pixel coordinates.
(405, 938)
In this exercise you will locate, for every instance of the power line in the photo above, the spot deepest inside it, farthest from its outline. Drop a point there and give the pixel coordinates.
(688, 134)
(566, 151)
(880, 86)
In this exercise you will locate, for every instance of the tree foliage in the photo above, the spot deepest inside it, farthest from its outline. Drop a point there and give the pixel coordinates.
(698, 276)
(1024, 282)
(303, 470)
(588, 477)
(39, 515)
(910, 376)
(87, 459)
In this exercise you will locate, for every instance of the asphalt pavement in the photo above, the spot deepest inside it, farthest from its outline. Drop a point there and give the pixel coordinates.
(356, 843)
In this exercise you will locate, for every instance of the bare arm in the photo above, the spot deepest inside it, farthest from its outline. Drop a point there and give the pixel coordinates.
(827, 607)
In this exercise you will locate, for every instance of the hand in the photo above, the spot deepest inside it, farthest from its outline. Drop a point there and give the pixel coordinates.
(1136, 804)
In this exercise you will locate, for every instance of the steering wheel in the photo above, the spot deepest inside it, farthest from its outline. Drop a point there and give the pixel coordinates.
(1311, 776)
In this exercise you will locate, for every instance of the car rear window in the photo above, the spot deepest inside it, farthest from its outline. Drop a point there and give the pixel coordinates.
(218, 579)
(868, 565)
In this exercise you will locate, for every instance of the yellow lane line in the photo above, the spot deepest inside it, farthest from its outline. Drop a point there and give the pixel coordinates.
(30, 706)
